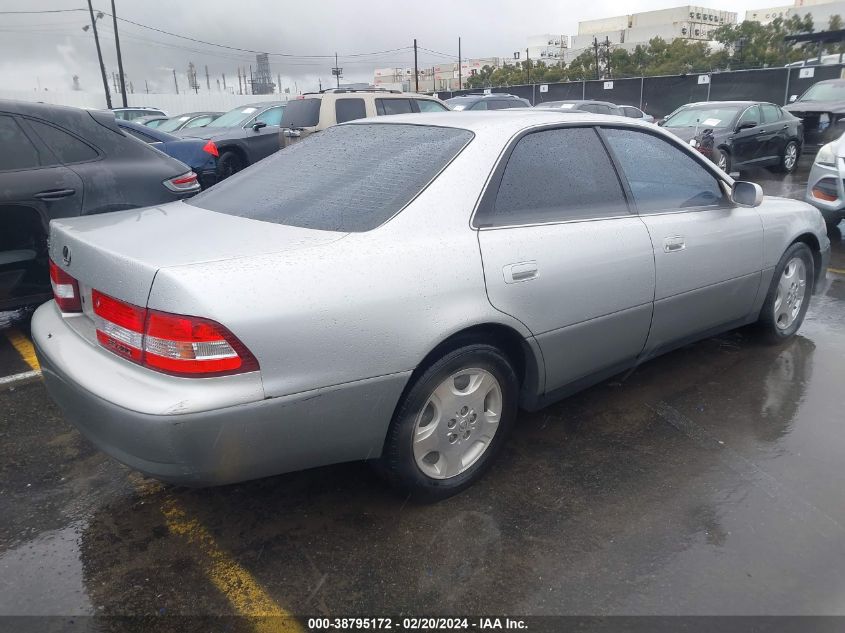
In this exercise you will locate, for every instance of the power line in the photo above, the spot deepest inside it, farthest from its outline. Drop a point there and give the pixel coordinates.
(43, 11)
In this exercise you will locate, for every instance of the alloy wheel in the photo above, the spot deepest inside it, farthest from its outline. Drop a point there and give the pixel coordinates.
(792, 287)
(790, 157)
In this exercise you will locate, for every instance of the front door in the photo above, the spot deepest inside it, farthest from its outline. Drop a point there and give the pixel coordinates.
(748, 143)
(563, 254)
(708, 253)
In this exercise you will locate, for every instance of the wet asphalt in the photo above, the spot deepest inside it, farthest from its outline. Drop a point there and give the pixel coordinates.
(708, 481)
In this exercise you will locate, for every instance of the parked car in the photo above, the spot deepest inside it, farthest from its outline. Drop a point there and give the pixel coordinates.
(314, 112)
(822, 109)
(198, 154)
(492, 101)
(745, 133)
(130, 114)
(243, 136)
(581, 105)
(60, 162)
(395, 289)
(635, 113)
(188, 120)
(825, 188)
(151, 120)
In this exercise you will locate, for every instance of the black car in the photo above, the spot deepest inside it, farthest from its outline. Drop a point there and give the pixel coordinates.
(187, 120)
(585, 105)
(493, 101)
(740, 134)
(60, 162)
(198, 154)
(822, 109)
(243, 136)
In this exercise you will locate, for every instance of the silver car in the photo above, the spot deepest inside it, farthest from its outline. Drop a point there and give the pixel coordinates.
(825, 188)
(395, 289)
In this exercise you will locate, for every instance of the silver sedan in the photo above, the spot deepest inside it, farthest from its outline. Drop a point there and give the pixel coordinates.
(825, 189)
(394, 290)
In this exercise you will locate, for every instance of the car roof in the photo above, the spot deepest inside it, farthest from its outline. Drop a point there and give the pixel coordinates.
(205, 112)
(738, 104)
(151, 108)
(34, 108)
(498, 95)
(506, 122)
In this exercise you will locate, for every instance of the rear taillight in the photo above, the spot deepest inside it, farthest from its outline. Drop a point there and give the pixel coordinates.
(169, 343)
(65, 289)
(185, 182)
(211, 148)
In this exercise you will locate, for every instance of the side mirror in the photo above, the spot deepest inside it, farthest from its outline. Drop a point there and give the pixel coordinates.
(793, 98)
(747, 194)
(746, 126)
(258, 125)
(660, 122)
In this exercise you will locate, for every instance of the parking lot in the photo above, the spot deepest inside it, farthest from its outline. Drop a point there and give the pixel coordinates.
(707, 481)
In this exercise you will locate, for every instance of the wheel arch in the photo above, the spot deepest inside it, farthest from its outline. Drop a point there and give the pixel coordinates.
(815, 248)
(235, 148)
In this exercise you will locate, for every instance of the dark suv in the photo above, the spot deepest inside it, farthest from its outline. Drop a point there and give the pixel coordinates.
(59, 162)
(493, 101)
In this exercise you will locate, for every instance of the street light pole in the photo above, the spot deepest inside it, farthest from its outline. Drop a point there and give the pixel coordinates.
(119, 57)
(100, 56)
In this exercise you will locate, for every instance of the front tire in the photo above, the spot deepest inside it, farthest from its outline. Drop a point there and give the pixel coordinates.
(723, 160)
(789, 295)
(229, 163)
(451, 423)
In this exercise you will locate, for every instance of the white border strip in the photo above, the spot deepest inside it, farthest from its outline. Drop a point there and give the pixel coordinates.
(10, 380)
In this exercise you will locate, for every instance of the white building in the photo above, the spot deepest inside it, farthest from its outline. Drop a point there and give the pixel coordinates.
(820, 10)
(432, 78)
(548, 48)
(628, 31)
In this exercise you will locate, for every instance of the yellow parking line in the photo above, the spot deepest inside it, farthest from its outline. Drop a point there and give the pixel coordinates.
(838, 271)
(243, 591)
(24, 347)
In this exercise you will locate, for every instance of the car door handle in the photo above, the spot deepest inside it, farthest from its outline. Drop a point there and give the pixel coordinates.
(522, 271)
(54, 194)
(674, 244)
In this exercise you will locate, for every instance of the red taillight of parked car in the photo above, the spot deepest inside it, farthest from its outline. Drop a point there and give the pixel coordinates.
(65, 289)
(183, 183)
(211, 148)
(170, 343)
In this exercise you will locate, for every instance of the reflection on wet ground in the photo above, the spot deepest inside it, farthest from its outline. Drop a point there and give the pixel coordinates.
(708, 481)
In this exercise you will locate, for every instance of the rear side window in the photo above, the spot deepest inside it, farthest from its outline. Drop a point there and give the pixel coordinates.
(139, 135)
(632, 112)
(430, 106)
(479, 105)
(349, 110)
(68, 149)
(393, 106)
(661, 176)
(302, 113)
(18, 151)
(347, 178)
(771, 113)
(557, 175)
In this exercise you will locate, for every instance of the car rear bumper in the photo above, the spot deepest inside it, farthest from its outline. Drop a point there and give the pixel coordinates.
(223, 445)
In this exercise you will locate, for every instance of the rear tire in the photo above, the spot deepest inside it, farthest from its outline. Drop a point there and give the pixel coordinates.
(451, 423)
(789, 295)
(789, 158)
(229, 163)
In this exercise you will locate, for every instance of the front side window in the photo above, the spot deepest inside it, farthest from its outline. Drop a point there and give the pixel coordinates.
(751, 115)
(349, 110)
(18, 151)
(430, 106)
(556, 175)
(273, 116)
(348, 178)
(68, 149)
(393, 106)
(479, 105)
(662, 176)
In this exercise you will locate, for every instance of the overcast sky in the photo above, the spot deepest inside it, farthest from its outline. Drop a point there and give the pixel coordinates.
(46, 50)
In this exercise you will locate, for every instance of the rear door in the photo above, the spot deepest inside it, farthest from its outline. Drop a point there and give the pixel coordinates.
(708, 253)
(34, 189)
(776, 131)
(563, 254)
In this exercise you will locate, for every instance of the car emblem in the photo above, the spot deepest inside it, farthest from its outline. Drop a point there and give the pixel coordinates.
(66, 255)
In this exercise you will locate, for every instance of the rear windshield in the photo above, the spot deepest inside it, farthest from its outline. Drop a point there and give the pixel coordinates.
(349, 178)
(302, 113)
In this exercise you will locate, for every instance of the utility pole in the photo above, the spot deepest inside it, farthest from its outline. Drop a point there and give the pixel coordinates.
(279, 79)
(251, 81)
(207, 80)
(175, 83)
(336, 70)
(119, 56)
(416, 69)
(460, 79)
(224, 82)
(240, 90)
(146, 86)
(528, 65)
(596, 50)
(607, 57)
(100, 56)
